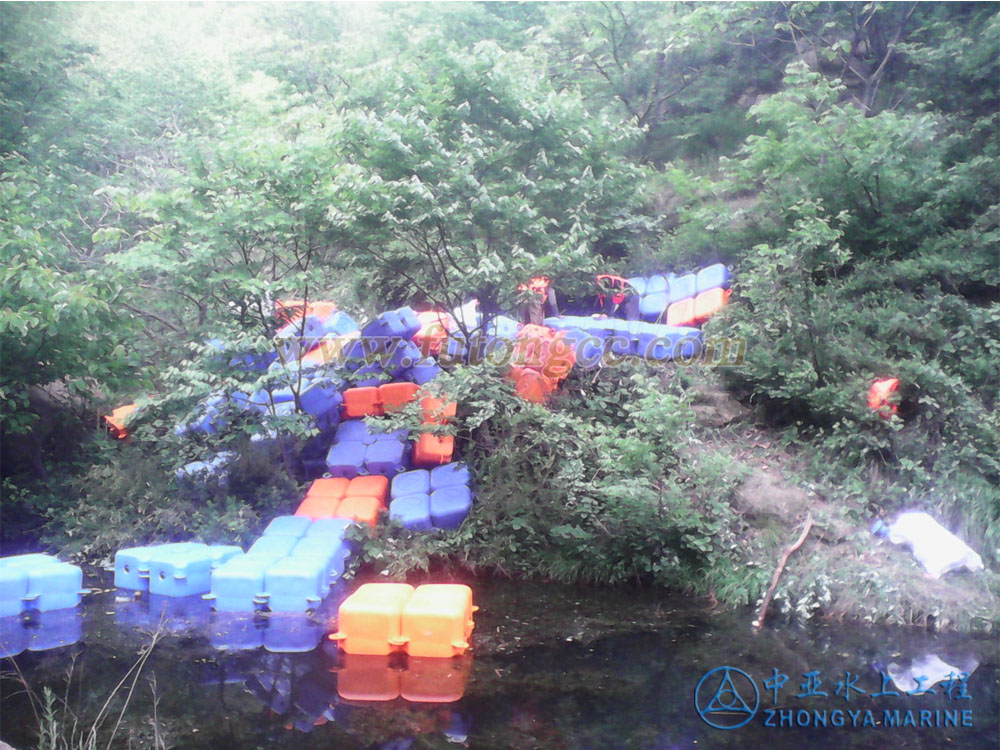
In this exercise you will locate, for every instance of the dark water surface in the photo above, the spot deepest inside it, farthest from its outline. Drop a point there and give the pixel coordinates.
(552, 667)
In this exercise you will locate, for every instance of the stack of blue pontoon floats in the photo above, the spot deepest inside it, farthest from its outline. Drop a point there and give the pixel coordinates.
(38, 597)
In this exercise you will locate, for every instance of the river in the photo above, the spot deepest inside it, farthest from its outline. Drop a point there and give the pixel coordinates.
(552, 667)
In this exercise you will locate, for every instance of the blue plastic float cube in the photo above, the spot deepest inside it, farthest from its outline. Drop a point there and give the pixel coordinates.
(339, 324)
(410, 483)
(412, 511)
(346, 459)
(272, 547)
(321, 397)
(331, 551)
(27, 561)
(222, 553)
(589, 349)
(410, 322)
(132, 568)
(177, 572)
(295, 584)
(653, 306)
(53, 585)
(681, 287)
(713, 276)
(502, 327)
(685, 341)
(288, 526)
(381, 326)
(423, 372)
(369, 375)
(354, 430)
(385, 457)
(253, 362)
(638, 284)
(450, 506)
(332, 528)
(239, 584)
(657, 284)
(449, 475)
(404, 356)
(400, 436)
(13, 589)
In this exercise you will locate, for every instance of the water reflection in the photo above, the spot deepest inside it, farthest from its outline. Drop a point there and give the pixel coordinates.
(40, 631)
(927, 670)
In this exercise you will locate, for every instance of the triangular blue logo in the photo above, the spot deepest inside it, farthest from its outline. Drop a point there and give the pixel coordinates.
(727, 699)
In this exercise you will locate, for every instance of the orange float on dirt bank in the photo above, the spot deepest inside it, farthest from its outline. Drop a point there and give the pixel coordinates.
(116, 420)
(880, 396)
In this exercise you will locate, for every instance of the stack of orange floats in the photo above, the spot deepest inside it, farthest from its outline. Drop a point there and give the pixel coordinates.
(359, 499)
(373, 401)
(435, 450)
(542, 359)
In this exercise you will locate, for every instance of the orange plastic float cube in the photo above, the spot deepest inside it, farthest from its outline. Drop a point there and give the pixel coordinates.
(437, 620)
(318, 506)
(328, 349)
(370, 619)
(434, 328)
(335, 487)
(365, 677)
(116, 420)
(287, 310)
(434, 680)
(395, 396)
(558, 358)
(362, 402)
(681, 313)
(370, 486)
(360, 509)
(323, 498)
(710, 302)
(433, 450)
(437, 410)
(531, 385)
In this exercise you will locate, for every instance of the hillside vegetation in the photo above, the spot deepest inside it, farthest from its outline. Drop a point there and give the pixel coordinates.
(168, 170)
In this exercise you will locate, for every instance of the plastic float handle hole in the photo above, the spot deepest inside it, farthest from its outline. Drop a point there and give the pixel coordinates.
(162, 577)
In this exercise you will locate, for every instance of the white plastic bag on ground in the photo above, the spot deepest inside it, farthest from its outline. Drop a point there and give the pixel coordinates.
(934, 547)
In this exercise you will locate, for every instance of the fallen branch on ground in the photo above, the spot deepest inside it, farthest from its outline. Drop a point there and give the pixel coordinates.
(758, 623)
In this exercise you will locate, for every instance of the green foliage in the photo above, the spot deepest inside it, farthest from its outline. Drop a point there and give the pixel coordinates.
(856, 221)
(464, 174)
(842, 157)
(131, 498)
(594, 489)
